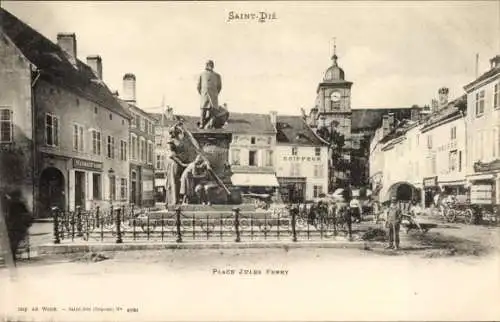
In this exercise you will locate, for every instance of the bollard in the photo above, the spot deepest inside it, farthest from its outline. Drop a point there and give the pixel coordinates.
(178, 224)
(55, 214)
(236, 212)
(79, 222)
(118, 226)
(294, 210)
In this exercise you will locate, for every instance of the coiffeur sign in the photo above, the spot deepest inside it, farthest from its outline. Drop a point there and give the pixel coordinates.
(296, 158)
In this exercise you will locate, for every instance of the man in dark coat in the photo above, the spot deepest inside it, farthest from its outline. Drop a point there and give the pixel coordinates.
(18, 219)
(209, 87)
(393, 223)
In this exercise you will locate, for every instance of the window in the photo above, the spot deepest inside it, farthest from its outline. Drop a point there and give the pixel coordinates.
(110, 147)
(142, 150)
(453, 133)
(429, 141)
(252, 140)
(317, 152)
(295, 150)
(123, 150)
(158, 140)
(269, 158)
(295, 170)
(6, 125)
(133, 147)
(317, 191)
(96, 142)
(151, 129)
(110, 116)
(142, 122)
(452, 161)
(479, 103)
(96, 186)
(150, 152)
(160, 161)
(123, 188)
(318, 171)
(112, 188)
(496, 96)
(51, 130)
(252, 158)
(77, 137)
(134, 121)
(235, 156)
(459, 161)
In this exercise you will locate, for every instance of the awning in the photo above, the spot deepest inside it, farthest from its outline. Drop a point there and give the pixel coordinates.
(160, 182)
(486, 176)
(254, 179)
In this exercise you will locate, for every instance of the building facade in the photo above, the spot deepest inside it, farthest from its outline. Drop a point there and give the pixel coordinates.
(301, 160)
(77, 124)
(483, 134)
(141, 142)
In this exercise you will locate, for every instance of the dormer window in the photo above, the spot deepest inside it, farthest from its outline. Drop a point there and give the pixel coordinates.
(295, 150)
(252, 140)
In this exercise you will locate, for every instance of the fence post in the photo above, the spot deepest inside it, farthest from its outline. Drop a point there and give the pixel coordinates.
(236, 212)
(79, 222)
(55, 214)
(97, 216)
(294, 210)
(118, 225)
(178, 224)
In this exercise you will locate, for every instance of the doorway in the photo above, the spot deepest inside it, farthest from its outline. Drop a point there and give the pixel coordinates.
(51, 193)
(80, 189)
(133, 188)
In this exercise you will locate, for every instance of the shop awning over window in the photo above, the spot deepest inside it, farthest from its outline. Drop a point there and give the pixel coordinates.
(254, 179)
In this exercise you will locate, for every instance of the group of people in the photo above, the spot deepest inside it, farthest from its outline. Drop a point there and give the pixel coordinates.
(185, 182)
(351, 210)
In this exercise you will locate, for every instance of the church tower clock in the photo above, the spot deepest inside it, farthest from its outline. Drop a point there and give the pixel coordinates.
(333, 116)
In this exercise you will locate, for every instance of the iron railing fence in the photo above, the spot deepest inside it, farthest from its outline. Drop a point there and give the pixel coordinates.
(122, 224)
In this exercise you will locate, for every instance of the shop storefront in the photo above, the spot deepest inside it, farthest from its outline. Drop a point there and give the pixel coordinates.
(431, 188)
(292, 189)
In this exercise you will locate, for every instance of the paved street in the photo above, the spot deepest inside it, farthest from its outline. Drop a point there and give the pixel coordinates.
(318, 284)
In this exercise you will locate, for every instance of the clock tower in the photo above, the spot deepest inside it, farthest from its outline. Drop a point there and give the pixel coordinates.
(333, 114)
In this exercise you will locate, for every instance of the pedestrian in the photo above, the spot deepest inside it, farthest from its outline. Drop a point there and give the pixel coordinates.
(393, 223)
(355, 208)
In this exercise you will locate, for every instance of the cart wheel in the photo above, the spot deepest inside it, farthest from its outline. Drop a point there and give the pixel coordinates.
(469, 216)
(450, 215)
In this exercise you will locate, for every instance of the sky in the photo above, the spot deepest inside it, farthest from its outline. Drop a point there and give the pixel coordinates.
(396, 53)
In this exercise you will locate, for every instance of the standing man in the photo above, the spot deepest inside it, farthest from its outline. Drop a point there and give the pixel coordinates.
(393, 223)
(209, 87)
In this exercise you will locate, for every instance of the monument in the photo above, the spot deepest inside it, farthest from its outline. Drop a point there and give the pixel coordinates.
(197, 162)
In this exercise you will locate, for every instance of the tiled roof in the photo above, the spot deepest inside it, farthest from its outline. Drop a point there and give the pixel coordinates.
(488, 74)
(371, 118)
(293, 130)
(452, 109)
(237, 123)
(54, 65)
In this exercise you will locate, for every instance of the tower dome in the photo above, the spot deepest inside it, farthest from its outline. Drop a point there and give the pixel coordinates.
(334, 72)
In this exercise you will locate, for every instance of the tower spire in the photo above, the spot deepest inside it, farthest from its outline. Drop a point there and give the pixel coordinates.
(334, 57)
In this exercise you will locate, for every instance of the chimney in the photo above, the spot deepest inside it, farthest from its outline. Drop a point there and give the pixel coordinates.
(274, 117)
(313, 116)
(390, 117)
(386, 129)
(443, 96)
(495, 62)
(129, 88)
(95, 63)
(169, 113)
(415, 113)
(67, 42)
(434, 105)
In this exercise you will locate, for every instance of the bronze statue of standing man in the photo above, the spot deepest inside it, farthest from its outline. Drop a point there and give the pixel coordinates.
(209, 87)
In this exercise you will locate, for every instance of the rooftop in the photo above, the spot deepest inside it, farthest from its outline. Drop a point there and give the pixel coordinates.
(371, 118)
(451, 110)
(55, 66)
(293, 130)
(250, 123)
